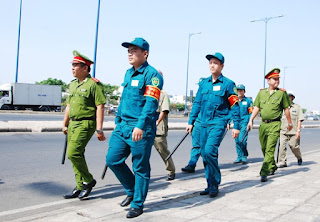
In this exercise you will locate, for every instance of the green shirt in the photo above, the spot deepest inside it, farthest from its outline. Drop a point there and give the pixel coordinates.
(272, 106)
(85, 97)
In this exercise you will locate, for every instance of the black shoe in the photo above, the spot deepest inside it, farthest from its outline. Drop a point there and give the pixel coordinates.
(272, 172)
(171, 177)
(213, 194)
(264, 179)
(86, 189)
(299, 161)
(205, 192)
(282, 165)
(188, 169)
(75, 193)
(237, 161)
(126, 201)
(134, 212)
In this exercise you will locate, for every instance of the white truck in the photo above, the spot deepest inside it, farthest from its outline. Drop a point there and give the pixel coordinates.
(20, 96)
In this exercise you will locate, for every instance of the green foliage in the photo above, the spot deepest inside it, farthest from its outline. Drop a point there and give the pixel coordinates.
(108, 91)
(54, 81)
(177, 106)
(304, 110)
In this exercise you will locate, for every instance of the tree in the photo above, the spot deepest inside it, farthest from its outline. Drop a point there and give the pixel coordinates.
(108, 91)
(54, 81)
(304, 110)
(177, 106)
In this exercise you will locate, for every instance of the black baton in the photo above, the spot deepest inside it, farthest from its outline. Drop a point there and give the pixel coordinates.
(246, 134)
(278, 143)
(104, 171)
(176, 147)
(64, 149)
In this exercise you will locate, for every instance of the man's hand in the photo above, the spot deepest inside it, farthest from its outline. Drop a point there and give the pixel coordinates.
(298, 135)
(137, 134)
(289, 127)
(235, 133)
(101, 136)
(65, 130)
(189, 128)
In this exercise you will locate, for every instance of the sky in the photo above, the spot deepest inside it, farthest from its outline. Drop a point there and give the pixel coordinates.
(51, 30)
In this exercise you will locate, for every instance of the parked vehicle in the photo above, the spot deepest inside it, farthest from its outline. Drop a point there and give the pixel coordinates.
(312, 118)
(19, 96)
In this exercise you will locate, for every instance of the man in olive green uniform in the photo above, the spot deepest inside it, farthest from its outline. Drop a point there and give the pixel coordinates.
(83, 115)
(160, 141)
(270, 102)
(291, 137)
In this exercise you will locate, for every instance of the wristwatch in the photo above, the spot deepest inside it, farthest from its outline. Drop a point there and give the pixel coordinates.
(290, 124)
(99, 130)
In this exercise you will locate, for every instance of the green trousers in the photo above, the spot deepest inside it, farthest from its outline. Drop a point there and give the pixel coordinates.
(79, 134)
(160, 143)
(268, 136)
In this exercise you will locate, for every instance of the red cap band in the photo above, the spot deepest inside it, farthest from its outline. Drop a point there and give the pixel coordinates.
(82, 60)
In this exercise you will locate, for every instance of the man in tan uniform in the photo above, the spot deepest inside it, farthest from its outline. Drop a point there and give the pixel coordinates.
(291, 137)
(160, 141)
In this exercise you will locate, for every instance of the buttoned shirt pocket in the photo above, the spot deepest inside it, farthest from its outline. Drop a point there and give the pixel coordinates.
(137, 91)
(262, 104)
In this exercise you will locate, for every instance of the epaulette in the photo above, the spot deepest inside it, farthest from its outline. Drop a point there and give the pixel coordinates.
(73, 80)
(282, 90)
(95, 79)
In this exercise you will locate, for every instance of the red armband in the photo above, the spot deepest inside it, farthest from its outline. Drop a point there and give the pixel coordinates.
(250, 109)
(152, 91)
(233, 99)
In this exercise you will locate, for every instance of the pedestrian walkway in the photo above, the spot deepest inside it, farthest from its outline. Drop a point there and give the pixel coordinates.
(292, 194)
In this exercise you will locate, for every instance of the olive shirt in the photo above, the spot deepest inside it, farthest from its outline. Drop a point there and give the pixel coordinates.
(164, 103)
(296, 116)
(271, 106)
(85, 97)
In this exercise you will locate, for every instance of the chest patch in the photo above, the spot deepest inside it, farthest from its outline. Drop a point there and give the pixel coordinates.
(216, 88)
(83, 90)
(134, 82)
(245, 103)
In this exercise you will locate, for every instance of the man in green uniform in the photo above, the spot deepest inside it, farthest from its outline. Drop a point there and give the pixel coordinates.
(160, 141)
(83, 115)
(270, 102)
(292, 137)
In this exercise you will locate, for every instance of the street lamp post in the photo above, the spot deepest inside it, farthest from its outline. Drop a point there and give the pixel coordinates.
(265, 20)
(190, 34)
(18, 48)
(96, 43)
(284, 75)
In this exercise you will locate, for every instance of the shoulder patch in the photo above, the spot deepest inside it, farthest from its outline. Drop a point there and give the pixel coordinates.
(96, 80)
(155, 81)
(282, 89)
(235, 90)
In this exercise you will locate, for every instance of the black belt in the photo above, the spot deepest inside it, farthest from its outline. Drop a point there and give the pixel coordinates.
(270, 120)
(84, 118)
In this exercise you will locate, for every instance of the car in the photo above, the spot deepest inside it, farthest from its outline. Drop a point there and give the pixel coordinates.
(312, 118)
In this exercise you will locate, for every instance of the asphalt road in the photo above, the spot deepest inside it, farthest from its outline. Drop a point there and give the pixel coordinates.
(52, 116)
(31, 171)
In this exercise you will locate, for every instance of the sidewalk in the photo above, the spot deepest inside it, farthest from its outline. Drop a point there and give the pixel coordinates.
(292, 194)
(56, 126)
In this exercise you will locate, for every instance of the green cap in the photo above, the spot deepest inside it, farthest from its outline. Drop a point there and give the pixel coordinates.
(273, 73)
(81, 58)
